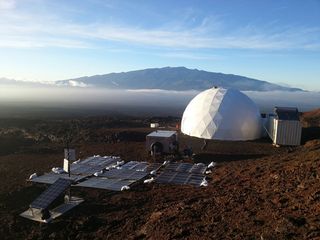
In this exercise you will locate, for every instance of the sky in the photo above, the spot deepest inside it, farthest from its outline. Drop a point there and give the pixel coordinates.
(275, 40)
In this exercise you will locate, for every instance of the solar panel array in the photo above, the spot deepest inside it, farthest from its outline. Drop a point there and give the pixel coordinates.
(105, 183)
(182, 173)
(186, 167)
(180, 178)
(116, 178)
(49, 195)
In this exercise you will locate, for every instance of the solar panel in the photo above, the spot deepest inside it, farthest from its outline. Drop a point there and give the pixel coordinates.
(198, 168)
(173, 166)
(50, 178)
(141, 166)
(49, 195)
(180, 178)
(134, 165)
(186, 167)
(80, 169)
(153, 166)
(124, 174)
(92, 165)
(100, 161)
(105, 183)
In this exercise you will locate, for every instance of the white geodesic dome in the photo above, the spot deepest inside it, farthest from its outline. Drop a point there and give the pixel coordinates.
(222, 114)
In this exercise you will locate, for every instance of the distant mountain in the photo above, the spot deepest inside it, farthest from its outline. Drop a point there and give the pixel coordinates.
(174, 78)
(168, 78)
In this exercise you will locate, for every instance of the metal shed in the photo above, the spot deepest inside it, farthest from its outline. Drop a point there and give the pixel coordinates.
(162, 141)
(284, 127)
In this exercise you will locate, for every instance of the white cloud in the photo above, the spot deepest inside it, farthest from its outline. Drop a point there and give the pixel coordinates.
(74, 83)
(7, 4)
(162, 91)
(71, 83)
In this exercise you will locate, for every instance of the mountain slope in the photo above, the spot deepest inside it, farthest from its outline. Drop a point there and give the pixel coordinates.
(176, 78)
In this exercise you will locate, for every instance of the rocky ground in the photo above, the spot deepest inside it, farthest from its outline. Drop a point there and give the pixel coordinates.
(256, 191)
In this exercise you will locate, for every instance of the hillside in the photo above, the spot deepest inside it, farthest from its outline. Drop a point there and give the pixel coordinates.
(174, 78)
(311, 118)
(256, 191)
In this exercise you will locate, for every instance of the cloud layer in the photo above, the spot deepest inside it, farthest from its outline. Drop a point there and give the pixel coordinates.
(143, 98)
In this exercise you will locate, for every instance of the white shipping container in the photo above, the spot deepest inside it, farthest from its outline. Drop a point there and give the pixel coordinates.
(287, 132)
(285, 129)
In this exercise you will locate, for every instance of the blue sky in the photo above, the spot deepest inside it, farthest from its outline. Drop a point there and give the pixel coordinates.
(277, 41)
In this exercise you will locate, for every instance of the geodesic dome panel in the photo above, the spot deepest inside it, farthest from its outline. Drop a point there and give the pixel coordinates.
(223, 114)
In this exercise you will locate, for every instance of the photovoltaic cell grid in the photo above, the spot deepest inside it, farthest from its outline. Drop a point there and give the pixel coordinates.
(79, 169)
(100, 161)
(49, 195)
(141, 166)
(50, 178)
(153, 166)
(105, 183)
(186, 167)
(92, 165)
(180, 178)
(134, 165)
(125, 174)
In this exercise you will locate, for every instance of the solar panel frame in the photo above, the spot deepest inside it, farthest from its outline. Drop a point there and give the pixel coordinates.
(48, 196)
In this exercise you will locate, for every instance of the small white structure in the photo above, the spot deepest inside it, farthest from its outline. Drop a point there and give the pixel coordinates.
(162, 141)
(284, 127)
(154, 125)
(69, 155)
(223, 114)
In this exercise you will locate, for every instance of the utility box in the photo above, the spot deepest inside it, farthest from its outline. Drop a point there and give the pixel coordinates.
(162, 141)
(154, 125)
(284, 127)
(69, 155)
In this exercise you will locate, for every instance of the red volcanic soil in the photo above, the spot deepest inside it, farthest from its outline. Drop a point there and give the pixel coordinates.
(314, 113)
(311, 118)
(256, 191)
